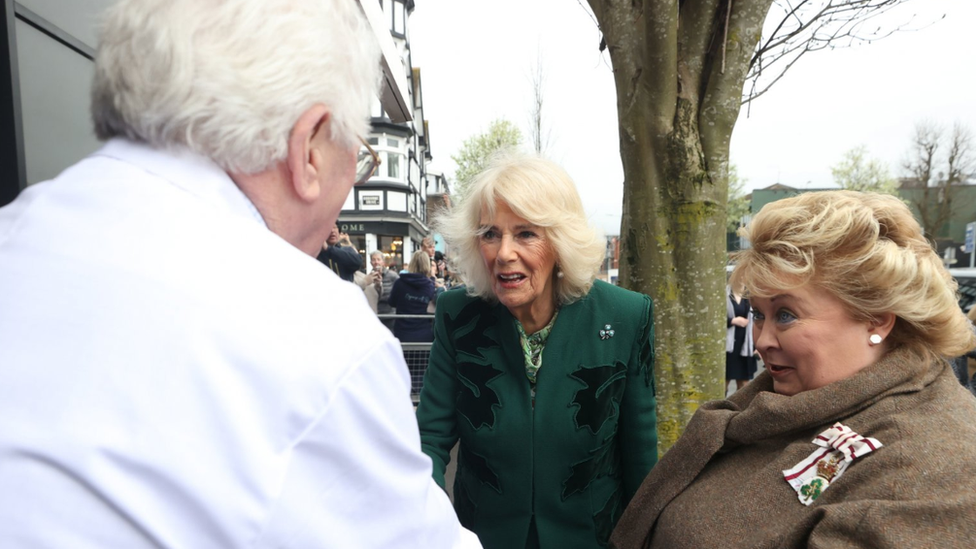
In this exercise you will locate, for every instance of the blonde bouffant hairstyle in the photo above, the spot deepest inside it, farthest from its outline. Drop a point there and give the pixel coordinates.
(542, 193)
(868, 251)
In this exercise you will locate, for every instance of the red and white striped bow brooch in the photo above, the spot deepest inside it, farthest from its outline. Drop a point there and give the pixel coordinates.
(838, 447)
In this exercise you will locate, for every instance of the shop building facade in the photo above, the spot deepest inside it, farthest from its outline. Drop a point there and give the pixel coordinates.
(390, 212)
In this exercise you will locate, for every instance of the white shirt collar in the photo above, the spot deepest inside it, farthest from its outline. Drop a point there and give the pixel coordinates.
(187, 170)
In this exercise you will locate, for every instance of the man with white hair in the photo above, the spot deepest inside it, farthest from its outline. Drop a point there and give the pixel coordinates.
(382, 278)
(180, 371)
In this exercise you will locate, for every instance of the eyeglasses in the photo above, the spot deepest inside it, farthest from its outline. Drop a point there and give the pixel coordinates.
(366, 163)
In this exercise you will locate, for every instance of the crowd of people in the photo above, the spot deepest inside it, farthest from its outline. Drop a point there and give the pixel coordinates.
(182, 372)
(410, 292)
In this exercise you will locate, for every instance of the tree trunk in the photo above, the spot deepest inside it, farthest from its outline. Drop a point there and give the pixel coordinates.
(676, 108)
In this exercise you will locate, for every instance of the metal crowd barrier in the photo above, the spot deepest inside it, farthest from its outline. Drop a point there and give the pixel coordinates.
(415, 355)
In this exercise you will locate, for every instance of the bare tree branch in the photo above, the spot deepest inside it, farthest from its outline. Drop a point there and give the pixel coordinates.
(960, 159)
(539, 132)
(595, 12)
(804, 26)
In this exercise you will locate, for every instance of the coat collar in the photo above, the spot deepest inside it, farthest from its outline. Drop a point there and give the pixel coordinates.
(761, 414)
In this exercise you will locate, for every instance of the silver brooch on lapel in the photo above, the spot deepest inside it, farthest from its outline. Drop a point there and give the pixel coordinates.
(606, 332)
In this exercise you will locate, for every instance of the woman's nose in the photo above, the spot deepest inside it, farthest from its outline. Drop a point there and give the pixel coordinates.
(506, 250)
(762, 339)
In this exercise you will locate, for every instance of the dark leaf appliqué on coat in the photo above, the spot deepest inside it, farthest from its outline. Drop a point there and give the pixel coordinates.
(603, 462)
(606, 518)
(477, 399)
(598, 401)
(479, 466)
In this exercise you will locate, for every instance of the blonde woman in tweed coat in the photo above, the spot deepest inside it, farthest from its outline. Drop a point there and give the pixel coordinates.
(857, 434)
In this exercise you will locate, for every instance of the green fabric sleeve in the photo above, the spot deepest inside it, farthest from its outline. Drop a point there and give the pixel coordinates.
(437, 412)
(638, 410)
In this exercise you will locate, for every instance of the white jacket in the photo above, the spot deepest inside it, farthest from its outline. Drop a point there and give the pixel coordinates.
(174, 374)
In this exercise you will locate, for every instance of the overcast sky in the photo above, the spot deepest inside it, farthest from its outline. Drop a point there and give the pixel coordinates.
(476, 57)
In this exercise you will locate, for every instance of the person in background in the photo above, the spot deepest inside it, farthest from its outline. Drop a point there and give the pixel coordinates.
(340, 255)
(437, 274)
(857, 433)
(361, 279)
(412, 294)
(452, 280)
(382, 278)
(440, 265)
(427, 245)
(740, 362)
(181, 372)
(542, 374)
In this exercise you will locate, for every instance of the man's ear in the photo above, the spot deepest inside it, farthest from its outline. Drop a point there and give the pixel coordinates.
(304, 153)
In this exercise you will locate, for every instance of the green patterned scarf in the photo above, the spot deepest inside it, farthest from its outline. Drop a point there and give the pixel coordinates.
(532, 347)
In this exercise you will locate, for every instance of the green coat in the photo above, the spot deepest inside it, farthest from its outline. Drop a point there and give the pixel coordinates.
(573, 461)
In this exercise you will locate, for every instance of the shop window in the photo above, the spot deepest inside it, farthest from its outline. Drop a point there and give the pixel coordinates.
(389, 147)
(359, 242)
(393, 161)
(392, 248)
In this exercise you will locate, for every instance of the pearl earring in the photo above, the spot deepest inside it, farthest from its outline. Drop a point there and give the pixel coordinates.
(875, 339)
(560, 274)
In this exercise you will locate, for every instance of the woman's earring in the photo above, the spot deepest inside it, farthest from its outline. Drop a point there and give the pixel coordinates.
(875, 339)
(560, 274)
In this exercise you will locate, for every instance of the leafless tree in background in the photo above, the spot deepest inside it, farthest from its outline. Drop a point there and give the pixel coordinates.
(539, 131)
(934, 195)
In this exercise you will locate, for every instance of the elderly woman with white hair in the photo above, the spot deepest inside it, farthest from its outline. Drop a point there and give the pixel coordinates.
(541, 373)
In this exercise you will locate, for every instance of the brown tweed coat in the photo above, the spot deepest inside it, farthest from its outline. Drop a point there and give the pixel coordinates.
(722, 484)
